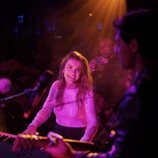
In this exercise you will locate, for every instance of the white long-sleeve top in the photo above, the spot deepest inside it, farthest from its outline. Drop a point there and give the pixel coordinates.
(69, 115)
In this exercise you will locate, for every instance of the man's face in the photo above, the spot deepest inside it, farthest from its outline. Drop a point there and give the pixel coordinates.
(106, 47)
(123, 52)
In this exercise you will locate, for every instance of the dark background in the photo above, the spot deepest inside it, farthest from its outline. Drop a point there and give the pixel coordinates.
(39, 32)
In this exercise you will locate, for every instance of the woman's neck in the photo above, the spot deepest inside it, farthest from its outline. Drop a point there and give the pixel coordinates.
(71, 86)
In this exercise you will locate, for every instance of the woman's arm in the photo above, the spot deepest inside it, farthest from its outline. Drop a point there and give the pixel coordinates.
(92, 120)
(46, 110)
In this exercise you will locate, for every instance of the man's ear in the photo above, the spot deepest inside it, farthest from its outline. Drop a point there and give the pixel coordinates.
(134, 46)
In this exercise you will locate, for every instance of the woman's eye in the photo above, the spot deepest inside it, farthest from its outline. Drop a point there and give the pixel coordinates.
(69, 67)
(79, 70)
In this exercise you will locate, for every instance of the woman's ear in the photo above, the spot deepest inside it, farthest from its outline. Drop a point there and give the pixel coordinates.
(134, 46)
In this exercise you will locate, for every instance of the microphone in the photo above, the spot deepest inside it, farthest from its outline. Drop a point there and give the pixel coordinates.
(30, 90)
(26, 91)
(43, 81)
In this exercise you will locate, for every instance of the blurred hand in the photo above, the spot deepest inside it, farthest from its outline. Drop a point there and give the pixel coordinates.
(97, 62)
(60, 149)
(92, 65)
(21, 145)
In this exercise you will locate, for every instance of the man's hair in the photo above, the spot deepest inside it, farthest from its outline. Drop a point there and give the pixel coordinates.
(142, 26)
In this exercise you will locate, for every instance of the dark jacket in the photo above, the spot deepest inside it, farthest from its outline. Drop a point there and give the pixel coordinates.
(135, 122)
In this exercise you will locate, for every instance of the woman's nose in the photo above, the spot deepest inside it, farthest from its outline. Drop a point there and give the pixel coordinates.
(73, 71)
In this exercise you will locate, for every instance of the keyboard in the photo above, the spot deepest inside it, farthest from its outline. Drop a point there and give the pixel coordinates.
(7, 137)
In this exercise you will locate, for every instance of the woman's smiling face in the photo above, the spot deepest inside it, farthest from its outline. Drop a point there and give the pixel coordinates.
(72, 72)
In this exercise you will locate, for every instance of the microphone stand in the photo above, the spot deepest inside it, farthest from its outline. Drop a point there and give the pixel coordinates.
(26, 91)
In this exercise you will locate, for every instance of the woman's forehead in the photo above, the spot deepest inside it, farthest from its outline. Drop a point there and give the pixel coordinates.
(73, 62)
(106, 42)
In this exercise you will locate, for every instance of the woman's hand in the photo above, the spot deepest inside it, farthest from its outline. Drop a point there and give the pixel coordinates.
(30, 130)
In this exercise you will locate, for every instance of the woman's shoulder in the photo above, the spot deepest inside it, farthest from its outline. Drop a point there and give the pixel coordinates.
(55, 84)
(90, 93)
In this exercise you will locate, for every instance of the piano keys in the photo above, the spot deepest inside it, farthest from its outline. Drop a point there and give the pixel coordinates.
(7, 137)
